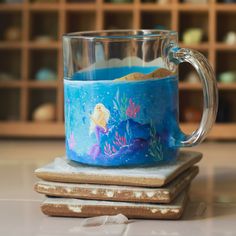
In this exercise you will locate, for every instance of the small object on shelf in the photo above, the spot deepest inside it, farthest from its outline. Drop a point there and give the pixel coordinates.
(230, 38)
(45, 74)
(6, 77)
(43, 39)
(192, 36)
(191, 114)
(159, 27)
(192, 78)
(12, 33)
(44, 112)
(196, 1)
(227, 77)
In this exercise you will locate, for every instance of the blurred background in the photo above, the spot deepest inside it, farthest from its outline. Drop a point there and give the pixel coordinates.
(31, 70)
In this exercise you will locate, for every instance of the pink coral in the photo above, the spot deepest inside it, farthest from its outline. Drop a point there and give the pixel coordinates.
(119, 140)
(109, 150)
(132, 109)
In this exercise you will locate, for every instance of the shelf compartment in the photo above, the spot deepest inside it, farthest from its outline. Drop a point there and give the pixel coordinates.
(225, 61)
(191, 106)
(10, 66)
(38, 97)
(155, 19)
(118, 20)
(11, 26)
(185, 69)
(44, 26)
(80, 21)
(9, 104)
(227, 107)
(189, 20)
(41, 60)
(225, 22)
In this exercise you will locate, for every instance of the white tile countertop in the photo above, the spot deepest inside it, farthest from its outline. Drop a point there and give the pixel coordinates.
(211, 209)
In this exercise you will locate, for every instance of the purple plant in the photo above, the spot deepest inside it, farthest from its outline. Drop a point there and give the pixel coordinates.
(119, 140)
(132, 109)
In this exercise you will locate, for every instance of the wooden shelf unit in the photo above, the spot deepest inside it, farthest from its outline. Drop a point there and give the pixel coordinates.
(72, 15)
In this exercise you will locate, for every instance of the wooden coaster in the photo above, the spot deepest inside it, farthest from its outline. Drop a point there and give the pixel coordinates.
(119, 193)
(62, 170)
(88, 208)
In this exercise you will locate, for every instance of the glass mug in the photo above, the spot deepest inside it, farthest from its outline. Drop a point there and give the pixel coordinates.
(121, 97)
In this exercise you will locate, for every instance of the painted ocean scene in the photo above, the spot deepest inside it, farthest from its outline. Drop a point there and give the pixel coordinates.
(121, 123)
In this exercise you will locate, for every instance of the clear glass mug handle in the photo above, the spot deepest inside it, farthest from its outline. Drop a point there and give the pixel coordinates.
(210, 93)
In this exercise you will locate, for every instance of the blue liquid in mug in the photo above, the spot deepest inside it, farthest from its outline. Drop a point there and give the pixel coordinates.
(121, 123)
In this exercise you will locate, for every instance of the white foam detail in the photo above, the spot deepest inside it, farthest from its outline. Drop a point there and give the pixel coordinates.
(137, 194)
(77, 209)
(150, 194)
(164, 211)
(94, 191)
(154, 210)
(174, 210)
(110, 193)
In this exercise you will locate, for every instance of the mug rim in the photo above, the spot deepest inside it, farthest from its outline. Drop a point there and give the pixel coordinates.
(128, 34)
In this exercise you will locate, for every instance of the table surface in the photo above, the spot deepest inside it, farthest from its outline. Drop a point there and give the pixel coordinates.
(210, 211)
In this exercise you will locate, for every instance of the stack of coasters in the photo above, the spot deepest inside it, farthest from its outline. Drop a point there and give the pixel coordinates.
(76, 190)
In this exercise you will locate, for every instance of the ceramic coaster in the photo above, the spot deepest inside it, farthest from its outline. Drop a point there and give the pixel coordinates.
(88, 208)
(119, 193)
(62, 170)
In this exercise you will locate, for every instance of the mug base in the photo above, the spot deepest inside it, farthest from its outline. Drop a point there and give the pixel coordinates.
(126, 161)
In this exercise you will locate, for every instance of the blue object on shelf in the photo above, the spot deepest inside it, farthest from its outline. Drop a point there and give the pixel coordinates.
(227, 77)
(45, 74)
(159, 27)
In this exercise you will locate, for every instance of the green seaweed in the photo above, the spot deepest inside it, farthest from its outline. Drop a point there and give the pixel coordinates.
(120, 103)
(128, 133)
(155, 147)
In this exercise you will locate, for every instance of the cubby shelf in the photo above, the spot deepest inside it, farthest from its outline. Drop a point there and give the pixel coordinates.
(71, 15)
